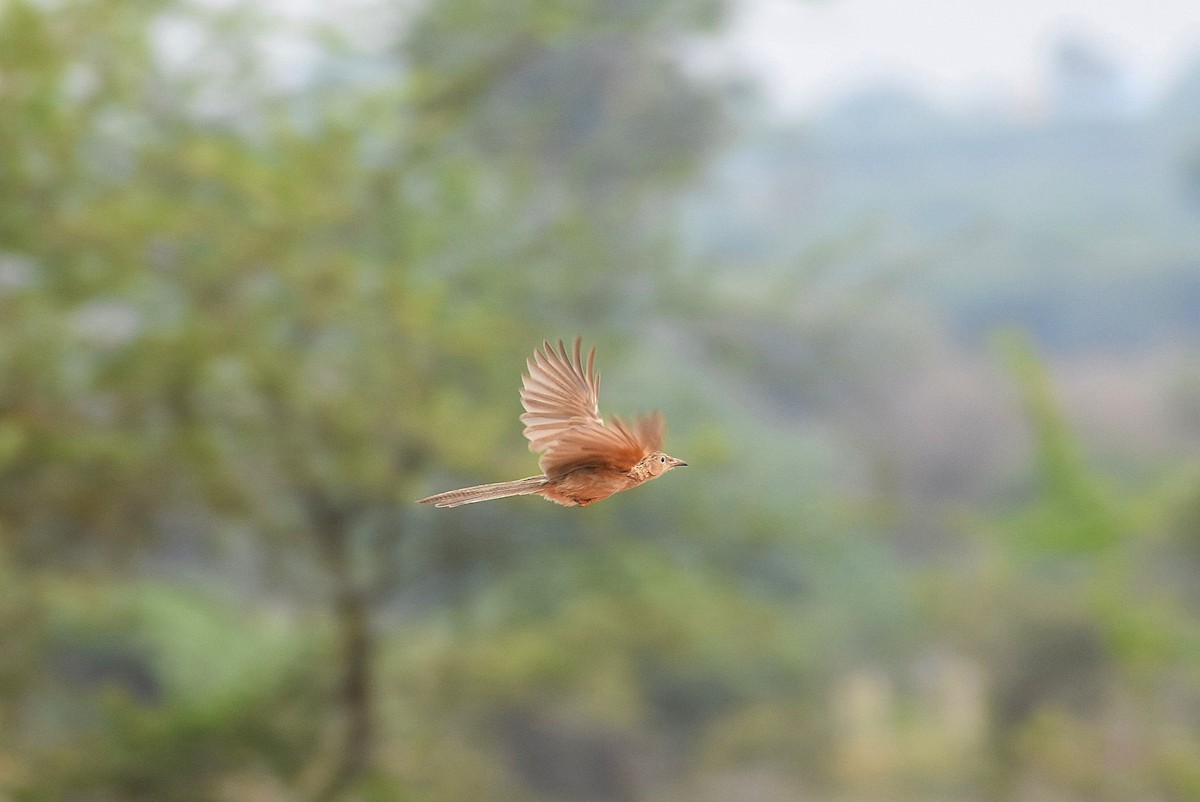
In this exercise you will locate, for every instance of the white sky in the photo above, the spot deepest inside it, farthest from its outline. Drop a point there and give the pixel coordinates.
(807, 52)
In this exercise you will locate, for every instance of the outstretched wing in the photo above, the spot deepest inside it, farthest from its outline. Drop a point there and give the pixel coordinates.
(562, 416)
(558, 394)
(618, 446)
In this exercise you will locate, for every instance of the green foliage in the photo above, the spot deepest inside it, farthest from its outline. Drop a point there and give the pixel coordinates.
(247, 320)
(1075, 512)
(151, 692)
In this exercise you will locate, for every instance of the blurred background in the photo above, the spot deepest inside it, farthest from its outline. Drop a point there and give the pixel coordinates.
(916, 285)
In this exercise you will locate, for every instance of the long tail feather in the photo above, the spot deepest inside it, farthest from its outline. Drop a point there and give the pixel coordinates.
(470, 495)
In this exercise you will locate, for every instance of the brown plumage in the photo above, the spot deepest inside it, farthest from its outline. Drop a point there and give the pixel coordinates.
(583, 460)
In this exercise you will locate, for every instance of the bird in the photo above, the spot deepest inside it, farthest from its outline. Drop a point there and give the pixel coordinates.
(583, 460)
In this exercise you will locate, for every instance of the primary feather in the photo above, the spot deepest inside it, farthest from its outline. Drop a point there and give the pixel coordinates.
(562, 416)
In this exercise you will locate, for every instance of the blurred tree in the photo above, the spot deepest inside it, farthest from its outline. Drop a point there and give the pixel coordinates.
(1057, 603)
(74, 457)
(1075, 511)
(279, 306)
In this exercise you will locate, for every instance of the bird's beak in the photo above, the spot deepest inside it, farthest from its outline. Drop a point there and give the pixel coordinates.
(678, 463)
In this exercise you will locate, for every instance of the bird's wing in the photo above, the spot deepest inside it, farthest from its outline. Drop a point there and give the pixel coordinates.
(618, 446)
(562, 416)
(559, 393)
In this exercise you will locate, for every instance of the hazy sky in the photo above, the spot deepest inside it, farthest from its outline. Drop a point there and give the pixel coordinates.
(807, 52)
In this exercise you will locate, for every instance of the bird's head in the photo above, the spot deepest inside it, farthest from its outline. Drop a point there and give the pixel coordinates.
(657, 463)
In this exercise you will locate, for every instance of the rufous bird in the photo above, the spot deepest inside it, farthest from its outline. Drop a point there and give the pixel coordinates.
(582, 459)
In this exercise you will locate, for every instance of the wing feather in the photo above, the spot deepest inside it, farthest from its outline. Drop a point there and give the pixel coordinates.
(556, 391)
(560, 394)
(618, 446)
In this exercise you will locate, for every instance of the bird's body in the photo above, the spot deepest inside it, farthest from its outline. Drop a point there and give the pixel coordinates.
(583, 460)
(578, 488)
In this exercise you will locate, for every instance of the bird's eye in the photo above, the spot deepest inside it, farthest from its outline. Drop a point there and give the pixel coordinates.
(663, 460)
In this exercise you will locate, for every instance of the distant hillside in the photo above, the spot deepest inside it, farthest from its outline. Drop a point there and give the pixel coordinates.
(1084, 231)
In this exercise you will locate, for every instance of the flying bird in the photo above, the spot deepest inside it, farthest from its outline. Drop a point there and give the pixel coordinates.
(583, 460)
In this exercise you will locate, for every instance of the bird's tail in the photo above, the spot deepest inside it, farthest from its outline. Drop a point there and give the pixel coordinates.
(469, 495)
